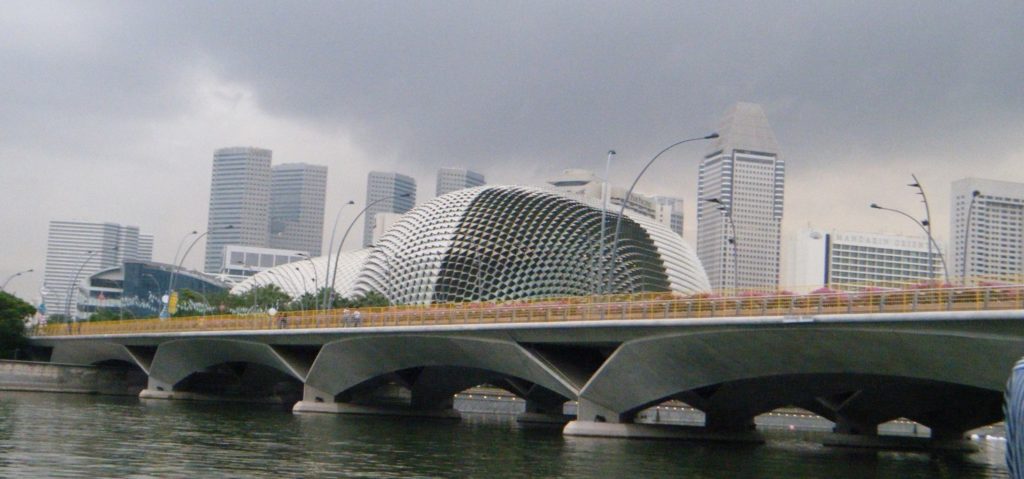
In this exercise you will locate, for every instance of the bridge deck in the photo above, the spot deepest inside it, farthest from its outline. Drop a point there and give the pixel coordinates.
(636, 307)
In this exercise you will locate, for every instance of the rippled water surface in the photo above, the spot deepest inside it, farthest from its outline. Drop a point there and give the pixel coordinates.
(53, 435)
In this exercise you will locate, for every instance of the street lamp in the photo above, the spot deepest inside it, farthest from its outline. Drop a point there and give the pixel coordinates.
(3, 287)
(928, 223)
(605, 192)
(164, 313)
(330, 246)
(729, 223)
(629, 193)
(967, 238)
(182, 243)
(330, 291)
(931, 240)
(74, 284)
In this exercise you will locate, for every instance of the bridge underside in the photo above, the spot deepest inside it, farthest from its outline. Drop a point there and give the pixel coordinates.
(858, 377)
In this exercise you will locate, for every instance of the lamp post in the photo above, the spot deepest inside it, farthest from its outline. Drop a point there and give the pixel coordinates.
(3, 287)
(931, 240)
(329, 294)
(629, 193)
(605, 192)
(74, 283)
(182, 243)
(729, 223)
(928, 223)
(330, 246)
(967, 238)
(164, 313)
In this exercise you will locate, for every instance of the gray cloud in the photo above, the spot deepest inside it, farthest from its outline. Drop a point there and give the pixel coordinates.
(108, 101)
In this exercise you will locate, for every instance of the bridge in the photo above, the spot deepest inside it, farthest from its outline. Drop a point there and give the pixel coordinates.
(939, 357)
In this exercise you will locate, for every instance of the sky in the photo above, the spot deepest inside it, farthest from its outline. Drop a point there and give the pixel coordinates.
(111, 111)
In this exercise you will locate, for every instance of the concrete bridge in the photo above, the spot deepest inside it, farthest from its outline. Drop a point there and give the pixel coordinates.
(941, 363)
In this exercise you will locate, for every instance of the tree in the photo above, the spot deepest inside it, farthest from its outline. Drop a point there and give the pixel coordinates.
(13, 312)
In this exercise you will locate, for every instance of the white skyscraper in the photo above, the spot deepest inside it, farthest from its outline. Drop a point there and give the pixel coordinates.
(854, 261)
(85, 248)
(386, 192)
(744, 174)
(454, 179)
(670, 212)
(995, 239)
(239, 198)
(297, 193)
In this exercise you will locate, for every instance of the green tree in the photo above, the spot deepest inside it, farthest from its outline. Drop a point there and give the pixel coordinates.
(111, 314)
(13, 312)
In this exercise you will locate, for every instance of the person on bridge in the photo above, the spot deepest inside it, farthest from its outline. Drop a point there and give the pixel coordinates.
(357, 318)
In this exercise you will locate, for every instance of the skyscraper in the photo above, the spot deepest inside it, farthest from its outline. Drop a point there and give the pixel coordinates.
(995, 239)
(454, 179)
(85, 248)
(297, 192)
(669, 212)
(745, 177)
(239, 198)
(384, 193)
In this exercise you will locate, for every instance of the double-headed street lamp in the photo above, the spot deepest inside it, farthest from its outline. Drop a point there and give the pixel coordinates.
(931, 241)
(3, 287)
(729, 223)
(164, 313)
(330, 246)
(967, 237)
(333, 272)
(625, 201)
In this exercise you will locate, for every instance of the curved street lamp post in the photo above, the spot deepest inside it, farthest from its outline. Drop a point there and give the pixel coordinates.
(164, 313)
(330, 245)
(729, 223)
(625, 201)
(931, 240)
(329, 293)
(74, 284)
(967, 238)
(3, 287)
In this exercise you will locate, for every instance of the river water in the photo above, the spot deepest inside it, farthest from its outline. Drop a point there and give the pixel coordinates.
(55, 435)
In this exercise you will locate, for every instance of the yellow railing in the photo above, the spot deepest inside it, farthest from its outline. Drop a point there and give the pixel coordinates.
(583, 308)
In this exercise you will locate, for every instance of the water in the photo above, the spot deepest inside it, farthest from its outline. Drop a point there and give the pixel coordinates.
(53, 435)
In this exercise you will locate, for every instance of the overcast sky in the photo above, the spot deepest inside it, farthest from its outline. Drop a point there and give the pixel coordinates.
(110, 111)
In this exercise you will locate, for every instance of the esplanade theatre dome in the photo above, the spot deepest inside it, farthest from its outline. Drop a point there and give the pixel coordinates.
(510, 242)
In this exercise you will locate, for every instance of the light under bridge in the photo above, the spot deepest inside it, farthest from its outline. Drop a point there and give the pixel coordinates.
(937, 357)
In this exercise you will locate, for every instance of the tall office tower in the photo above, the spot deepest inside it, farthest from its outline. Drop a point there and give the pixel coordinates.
(297, 193)
(854, 261)
(745, 177)
(995, 238)
(669, 212)
(239, 198)
(454, 179)
(75, 247)
(386, 193)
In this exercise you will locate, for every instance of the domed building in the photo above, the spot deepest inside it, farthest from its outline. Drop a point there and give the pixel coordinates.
(499, 243)
(510, 242)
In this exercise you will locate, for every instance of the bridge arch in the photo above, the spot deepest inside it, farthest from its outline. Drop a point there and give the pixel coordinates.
(176, 360)
(432, 367)
(746, 372)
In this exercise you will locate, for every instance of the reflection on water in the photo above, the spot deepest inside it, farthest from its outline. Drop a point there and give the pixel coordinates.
(52, 435)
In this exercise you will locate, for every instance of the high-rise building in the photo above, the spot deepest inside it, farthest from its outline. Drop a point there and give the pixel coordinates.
(744, 176)
(76, 247)
(239, 198)
(454, 179)
(669, 212)
(995, 238)
(386, 192)
(297, 193)
(585, 186)
(854, 261)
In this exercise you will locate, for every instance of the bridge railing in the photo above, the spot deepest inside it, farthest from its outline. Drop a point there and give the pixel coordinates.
(618, 307)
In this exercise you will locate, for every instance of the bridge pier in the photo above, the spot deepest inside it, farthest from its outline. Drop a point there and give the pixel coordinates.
(317, 401)
(594, 420)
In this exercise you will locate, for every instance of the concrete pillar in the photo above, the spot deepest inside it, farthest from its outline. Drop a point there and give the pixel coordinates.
(317, 401)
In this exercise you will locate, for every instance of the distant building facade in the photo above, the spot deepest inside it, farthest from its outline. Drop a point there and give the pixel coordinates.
(995, 239)
(584, 185)
(854, 261)
(670, 213)
(743, 172)
(241, 262)
(239, 199)
(83, 248)
(386, 192)
(135, 288)
(297, 195)
(455, 179)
